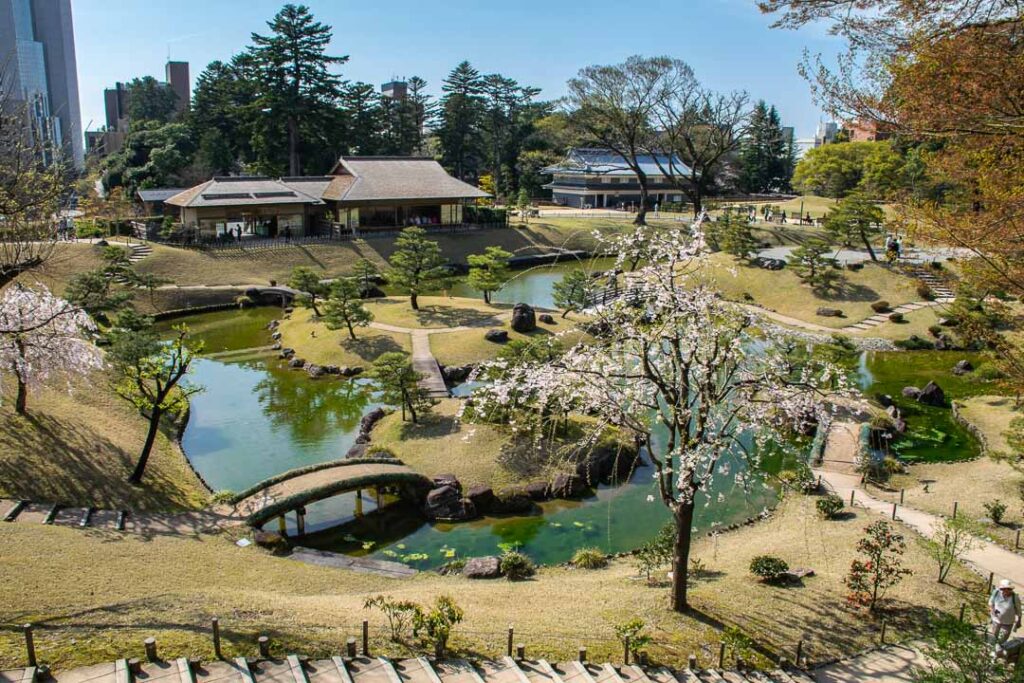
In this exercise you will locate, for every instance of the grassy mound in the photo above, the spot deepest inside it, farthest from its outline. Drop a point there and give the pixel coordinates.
(317, 344)
(79, 449)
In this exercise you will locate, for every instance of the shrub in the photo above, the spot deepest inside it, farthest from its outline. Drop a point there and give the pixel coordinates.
(935, 330)
(222, 496)
(882, 567)
(830, 506)
(915, 343)
(379, 451)
(768, 568)
(399, 613)
(896, 317)
(996, 509)
(634, 633)
(936, 265)
(452, 567)
(437, 622)
(988, 372)
(517, 566)
(589, 558)
(800, 479)
(925, 292)
(880, 306)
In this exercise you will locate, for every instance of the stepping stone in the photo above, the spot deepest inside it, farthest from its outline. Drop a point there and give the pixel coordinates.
(70, 516)
(35, 513)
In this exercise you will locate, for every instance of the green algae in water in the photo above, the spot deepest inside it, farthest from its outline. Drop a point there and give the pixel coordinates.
(933, 435)
(229, 330)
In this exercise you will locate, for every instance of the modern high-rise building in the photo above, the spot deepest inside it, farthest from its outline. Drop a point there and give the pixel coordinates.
(37, 58)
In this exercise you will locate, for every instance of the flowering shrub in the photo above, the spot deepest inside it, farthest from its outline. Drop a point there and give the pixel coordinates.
(882, 569)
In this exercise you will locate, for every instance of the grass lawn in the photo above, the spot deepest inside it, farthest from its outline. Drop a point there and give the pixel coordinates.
(971, 484)
(782, 291)
(914, 323)
(469, 346)
(170, 587)
(78, 449)
(317, 344)
(435, 312)
(443, 444)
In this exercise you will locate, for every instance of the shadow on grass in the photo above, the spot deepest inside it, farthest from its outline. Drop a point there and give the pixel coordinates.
(369, 348)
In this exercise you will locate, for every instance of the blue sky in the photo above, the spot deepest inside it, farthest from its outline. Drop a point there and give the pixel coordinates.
(543, 43)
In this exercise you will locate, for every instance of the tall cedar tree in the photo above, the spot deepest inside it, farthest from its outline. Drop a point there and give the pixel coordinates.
(417, 264)
(612, 107)
(766, 156)
(295, 69)
(150, 100)
(458, 132)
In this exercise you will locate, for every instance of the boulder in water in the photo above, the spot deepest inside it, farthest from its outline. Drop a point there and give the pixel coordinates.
(932, 395)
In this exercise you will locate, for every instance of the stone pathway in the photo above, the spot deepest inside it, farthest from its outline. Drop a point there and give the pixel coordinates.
(423, 360)
(837, 473)
(862, 326)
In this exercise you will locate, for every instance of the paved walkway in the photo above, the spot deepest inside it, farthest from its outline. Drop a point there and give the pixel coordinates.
(423, 360)
(838, 473)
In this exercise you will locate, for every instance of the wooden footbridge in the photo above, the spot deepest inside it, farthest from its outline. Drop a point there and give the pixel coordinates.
(367, 669)
(294, 489)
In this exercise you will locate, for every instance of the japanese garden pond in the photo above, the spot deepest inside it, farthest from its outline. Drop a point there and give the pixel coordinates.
(257, 418)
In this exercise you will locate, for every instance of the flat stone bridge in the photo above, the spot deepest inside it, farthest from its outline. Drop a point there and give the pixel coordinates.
(293, 490)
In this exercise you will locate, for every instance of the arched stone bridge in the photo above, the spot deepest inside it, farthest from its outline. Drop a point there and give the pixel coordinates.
(294, 489)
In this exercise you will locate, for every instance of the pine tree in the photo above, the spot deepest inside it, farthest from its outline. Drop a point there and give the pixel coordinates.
(295, 73)
(736, 236)
(364, 118)
(856, 218)
(417, 264)
(399, 384)
(344, 307)
(460, 113)
(813, 267)
(488, 272)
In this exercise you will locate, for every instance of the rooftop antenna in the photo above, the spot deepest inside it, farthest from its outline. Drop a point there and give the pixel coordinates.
(168, 51)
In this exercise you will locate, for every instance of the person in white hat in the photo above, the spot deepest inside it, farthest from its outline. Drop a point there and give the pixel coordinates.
(1004, 608)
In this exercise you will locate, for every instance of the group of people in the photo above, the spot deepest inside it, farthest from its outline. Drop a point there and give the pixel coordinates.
(66, 230)
(769, 215)
(893, 247)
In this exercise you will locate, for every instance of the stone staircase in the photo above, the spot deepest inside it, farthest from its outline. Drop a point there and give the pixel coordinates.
(880, 318)
(183, 523)
(366, 669)
(137, 252)
(939, 286)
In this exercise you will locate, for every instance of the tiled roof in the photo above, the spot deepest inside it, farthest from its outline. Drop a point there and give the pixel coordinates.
(159, 194)
(402, 178)
(243, 191)
(606, 162)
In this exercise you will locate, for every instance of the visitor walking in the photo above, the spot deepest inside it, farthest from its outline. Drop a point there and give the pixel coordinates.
(1004, 611)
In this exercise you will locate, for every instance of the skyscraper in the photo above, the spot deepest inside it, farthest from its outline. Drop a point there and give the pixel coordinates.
(37, 56)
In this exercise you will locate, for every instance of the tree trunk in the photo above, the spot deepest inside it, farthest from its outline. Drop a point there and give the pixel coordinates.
(351, 332)
(414, 302)
(867, 243)
(487, 297)
(565, 313)
(147, 448)
(412, 410)
(21, 403)
(293, 147)
(681, 556)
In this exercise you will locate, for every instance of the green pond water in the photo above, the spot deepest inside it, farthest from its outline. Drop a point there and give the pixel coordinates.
(258, 418)
(933, 435)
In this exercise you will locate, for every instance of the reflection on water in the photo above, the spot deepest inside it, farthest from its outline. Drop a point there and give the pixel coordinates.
(258, 418)
(535, 286)
(933, 435)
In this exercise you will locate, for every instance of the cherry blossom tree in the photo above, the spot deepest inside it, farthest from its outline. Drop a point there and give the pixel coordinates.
(699, 383)
(41, 336)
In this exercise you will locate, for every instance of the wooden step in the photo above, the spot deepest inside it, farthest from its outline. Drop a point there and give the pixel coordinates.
(272, 671)
(417, 670)
(578, 672)
(34, 513)
(504, 670)
(457, 671)
(14, 510)
(70, 516)
(539, 671)
(372, 670)
(222, 672)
